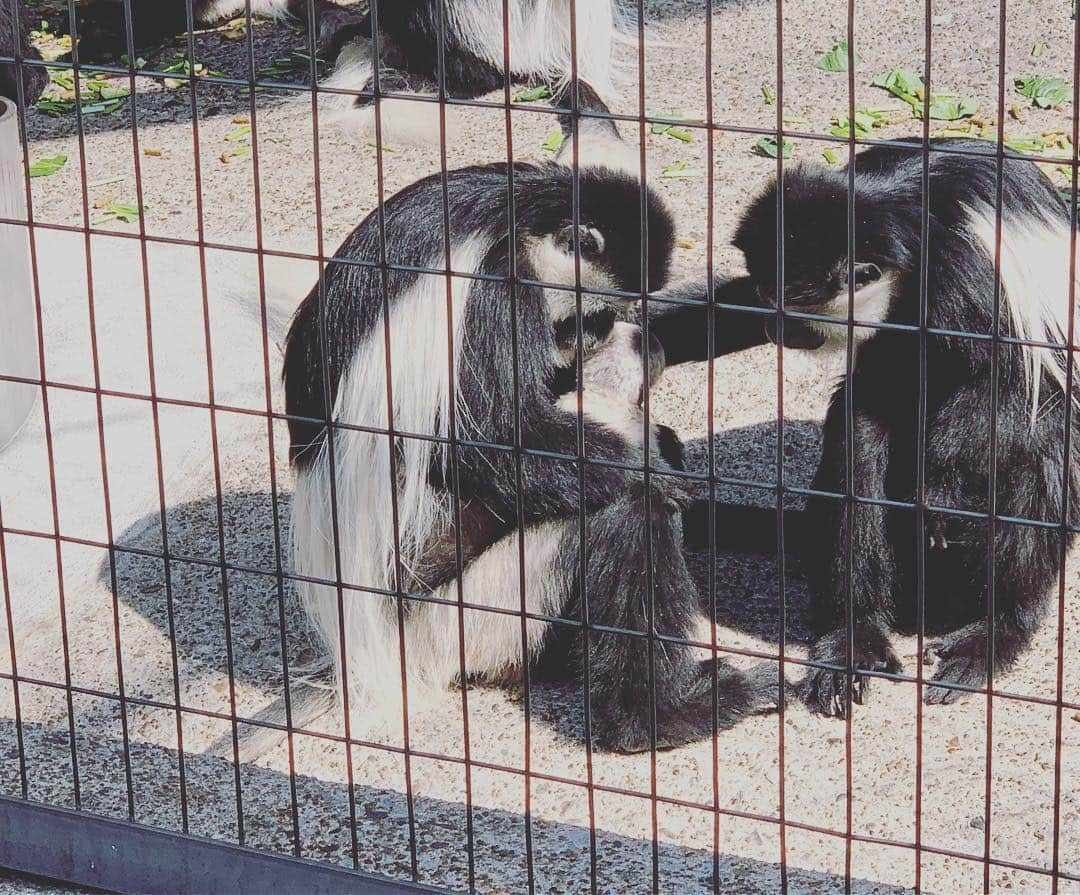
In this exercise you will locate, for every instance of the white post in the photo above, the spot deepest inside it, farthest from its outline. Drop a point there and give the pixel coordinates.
(18, 325)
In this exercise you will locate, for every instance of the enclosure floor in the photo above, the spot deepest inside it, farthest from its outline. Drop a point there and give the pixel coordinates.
(741, 772)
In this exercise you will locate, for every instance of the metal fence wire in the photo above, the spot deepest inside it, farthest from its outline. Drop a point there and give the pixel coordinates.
(267, 624)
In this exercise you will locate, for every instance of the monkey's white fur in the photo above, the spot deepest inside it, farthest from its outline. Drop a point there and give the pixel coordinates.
(1034, 274)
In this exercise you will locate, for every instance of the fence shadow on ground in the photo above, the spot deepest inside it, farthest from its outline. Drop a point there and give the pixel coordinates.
(561, 852)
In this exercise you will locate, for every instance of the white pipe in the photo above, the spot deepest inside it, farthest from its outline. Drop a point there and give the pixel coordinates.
(18, 325)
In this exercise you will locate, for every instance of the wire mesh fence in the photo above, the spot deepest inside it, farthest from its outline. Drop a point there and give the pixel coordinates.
(345, 514)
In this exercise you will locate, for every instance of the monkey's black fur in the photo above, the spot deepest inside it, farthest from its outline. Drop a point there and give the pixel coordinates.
(617, 505)
(34, 76)
(1032, 472)
(103, 30)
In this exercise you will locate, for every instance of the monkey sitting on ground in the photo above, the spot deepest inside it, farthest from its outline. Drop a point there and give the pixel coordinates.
(378, 513)
(1024, 424)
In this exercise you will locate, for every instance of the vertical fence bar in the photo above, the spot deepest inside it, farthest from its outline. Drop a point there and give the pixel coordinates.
(391, 437)
(1067, 468)
(96, 373)
(992, 523)
(332, 428)
(781, 559)
(920, 437)
(710, 434)
(49, 452)
(5, 580)
(159, 464)
(851, 458)
(455, 471)
(650, 583)
(583, 549)
(215, 450)
(271, 440)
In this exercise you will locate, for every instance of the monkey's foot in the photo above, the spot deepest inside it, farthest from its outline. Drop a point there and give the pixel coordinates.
(828, 691)
(961, 659)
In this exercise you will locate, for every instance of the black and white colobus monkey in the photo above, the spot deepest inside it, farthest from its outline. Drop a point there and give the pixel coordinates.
(34, 76)
(1032, 471)
(474, 62)
(340, 331)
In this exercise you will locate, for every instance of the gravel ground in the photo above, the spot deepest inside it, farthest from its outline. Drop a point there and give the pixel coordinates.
(741, 772)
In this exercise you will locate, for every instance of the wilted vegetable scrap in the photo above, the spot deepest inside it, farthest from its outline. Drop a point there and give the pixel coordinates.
(836, 60)
(909, 87)
(48, 166)
(1046, 93)
(126, 214)
(532, 94)
(768, 146)
(554, 141)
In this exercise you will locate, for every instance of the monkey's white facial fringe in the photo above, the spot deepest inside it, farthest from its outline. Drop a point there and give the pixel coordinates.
(871, 305)
(1034, 275)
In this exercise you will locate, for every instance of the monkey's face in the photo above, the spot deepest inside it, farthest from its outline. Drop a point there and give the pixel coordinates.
(833, 294)
(817, 277)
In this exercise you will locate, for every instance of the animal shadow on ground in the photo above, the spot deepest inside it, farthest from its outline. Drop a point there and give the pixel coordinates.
(234, 566)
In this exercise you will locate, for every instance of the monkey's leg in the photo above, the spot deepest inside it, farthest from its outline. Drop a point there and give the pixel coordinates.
(831, 524)
(1026, 557)
(615, 583)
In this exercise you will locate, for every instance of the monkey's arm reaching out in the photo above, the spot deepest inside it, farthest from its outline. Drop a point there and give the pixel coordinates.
(683, 328)
(740, 321)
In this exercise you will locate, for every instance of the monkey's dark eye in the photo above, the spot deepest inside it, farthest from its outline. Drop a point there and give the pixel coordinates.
(590, 241)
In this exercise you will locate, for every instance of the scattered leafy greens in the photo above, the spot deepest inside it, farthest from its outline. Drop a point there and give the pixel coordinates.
(679, 169)
(768, 146)
(532, 94)
(48, 166)
(126, 214)
(1046, 93)
(672, 130)
(554, 141)
(909, 86)
(836, 60)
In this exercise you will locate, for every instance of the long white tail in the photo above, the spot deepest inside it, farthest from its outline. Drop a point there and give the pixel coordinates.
(352, 480)
(1034, 273)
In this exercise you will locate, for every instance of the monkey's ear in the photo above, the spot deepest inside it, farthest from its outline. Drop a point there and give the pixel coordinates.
(865, 274)
(590, 241)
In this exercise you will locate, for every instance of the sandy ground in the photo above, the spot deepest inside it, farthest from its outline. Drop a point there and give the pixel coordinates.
(743, 772)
